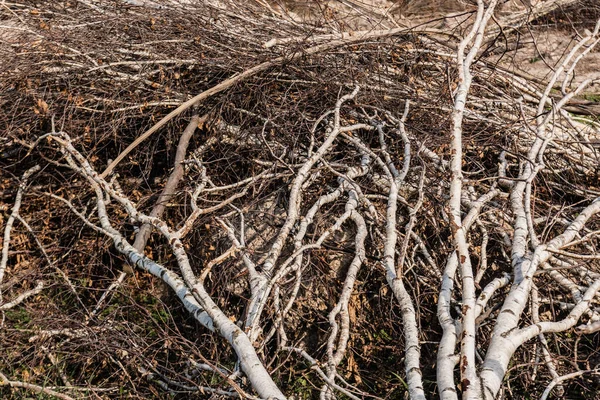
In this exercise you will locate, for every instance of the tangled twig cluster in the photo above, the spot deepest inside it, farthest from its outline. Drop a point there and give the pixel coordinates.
(368, 213)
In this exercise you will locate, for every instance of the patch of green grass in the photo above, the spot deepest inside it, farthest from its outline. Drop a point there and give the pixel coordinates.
(146, 298)
(18, 317)
(382, 335)
(586, 119)
(399, 379)
(302, 388)
(109, 310)
(595, 97)
(160, 315)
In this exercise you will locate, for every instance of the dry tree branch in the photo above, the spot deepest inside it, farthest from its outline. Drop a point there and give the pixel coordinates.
(33, 388)
(558, 380)
(191, 292)
(11, 219)
(168, 191)
(23, 296)
(507, 337)
(469, 378)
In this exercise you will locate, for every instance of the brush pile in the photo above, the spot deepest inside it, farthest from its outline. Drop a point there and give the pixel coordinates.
(327, 218)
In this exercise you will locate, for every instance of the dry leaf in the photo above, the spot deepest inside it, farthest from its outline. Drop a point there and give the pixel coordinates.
(41, 107)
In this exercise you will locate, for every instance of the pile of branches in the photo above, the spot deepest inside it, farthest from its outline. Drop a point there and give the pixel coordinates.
(214, 199)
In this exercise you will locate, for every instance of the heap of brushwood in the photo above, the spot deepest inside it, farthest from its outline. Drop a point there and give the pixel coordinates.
(80, 81)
